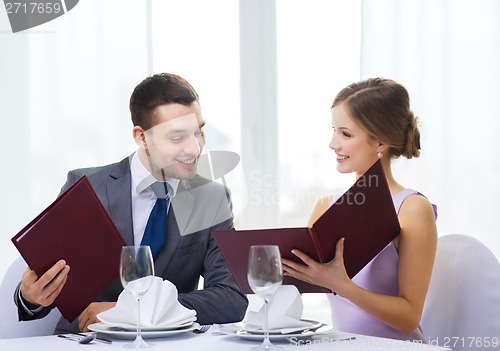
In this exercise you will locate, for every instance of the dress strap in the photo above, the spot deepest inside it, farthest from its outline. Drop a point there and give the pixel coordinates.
(400, 197)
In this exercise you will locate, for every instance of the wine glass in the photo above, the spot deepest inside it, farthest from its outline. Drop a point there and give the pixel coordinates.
(265, 275)
(136, 275)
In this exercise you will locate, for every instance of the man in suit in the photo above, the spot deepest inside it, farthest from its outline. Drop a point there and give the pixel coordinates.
(168, 129)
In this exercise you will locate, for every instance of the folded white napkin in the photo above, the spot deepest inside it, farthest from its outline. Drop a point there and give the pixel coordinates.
(285, 311)
(159, 308)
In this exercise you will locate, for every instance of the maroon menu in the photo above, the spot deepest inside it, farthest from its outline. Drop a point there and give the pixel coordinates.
(364, 215)
(77, 228)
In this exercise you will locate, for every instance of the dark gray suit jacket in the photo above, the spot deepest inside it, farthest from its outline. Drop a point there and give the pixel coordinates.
(199, 206)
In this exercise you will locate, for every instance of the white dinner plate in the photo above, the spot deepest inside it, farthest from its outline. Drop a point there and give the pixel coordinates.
(129, 327)
(120, 333)
(241, 333)
(311, 324)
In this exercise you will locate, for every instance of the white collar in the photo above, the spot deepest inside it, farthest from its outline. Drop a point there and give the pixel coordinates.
(142, 178)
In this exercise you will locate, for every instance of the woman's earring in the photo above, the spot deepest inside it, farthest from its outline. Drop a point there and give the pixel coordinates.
(380, 154)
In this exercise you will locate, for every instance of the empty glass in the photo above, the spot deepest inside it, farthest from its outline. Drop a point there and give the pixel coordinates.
(265, 276)
(136, 275)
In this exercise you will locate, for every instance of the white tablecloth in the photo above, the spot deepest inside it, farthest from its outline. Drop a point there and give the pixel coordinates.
(214, 341)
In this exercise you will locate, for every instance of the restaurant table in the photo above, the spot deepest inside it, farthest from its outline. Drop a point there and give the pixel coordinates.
(213, 340)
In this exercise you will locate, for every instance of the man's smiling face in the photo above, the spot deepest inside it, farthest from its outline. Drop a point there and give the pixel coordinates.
(172, 147)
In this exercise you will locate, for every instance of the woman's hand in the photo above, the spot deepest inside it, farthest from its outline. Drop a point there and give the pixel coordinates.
(331, 275)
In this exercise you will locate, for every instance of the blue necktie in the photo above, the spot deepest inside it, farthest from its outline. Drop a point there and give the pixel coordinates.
(156, 229)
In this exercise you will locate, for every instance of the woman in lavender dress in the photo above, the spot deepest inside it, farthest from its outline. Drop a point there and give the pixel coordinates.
(372, 119)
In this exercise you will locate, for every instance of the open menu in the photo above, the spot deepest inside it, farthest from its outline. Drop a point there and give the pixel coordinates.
(77, 228)
(364, 215)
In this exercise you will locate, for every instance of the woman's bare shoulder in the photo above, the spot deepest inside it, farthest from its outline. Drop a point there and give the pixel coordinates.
(416, 204)
(416, 213)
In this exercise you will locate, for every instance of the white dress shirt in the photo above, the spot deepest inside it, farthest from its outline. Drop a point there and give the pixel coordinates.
(143, 198)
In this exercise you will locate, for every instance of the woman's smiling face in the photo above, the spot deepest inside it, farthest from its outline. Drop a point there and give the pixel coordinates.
(356, 150)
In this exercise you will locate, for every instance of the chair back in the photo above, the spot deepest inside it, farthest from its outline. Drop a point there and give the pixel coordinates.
(10, 326)
(462, 308)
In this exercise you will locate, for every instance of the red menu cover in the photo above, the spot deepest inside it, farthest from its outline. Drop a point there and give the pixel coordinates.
(77, 228)
(364, 215)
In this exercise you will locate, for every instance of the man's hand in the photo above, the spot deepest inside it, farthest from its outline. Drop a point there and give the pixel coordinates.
(44, 290)
(89, 315)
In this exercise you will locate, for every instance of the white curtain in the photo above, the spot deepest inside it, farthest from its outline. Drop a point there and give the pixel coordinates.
(64, 92)
(447, 53)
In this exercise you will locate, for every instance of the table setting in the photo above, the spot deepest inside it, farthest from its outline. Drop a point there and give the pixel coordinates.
(148, 310)
(161, 314)
(284, 320)
(148, 306)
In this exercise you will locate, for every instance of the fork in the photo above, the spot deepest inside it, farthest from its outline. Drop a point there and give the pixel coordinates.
(202, 329)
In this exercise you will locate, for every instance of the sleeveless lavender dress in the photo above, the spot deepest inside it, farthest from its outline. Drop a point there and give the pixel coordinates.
(379, 276)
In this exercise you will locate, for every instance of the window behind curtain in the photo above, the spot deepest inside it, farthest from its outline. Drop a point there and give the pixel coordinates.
(318, 54)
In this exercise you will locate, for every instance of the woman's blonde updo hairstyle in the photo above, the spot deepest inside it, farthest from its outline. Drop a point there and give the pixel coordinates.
(382, 107)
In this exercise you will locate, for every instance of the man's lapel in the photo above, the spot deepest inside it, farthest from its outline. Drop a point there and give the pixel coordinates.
(120, 200)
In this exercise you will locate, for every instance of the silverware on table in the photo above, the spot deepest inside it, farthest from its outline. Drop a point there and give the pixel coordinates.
(84, 338)
(202, 329)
